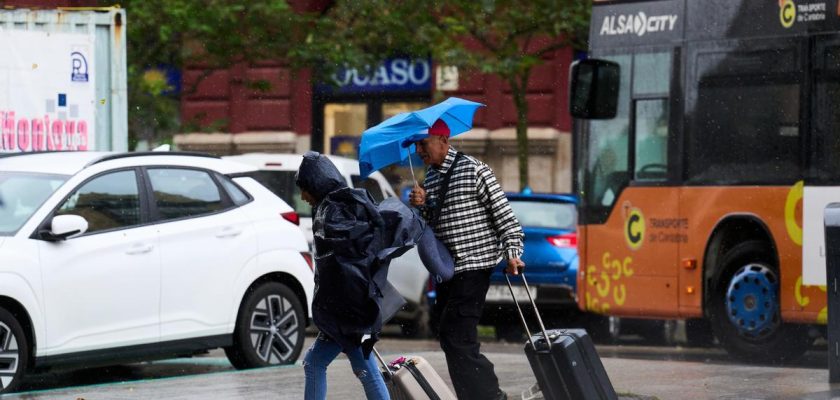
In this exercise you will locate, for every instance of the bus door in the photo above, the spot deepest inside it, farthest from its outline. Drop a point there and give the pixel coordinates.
(628, 207)
(822, 182)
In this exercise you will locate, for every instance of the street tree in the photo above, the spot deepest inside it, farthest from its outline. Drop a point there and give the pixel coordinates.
(506, 38)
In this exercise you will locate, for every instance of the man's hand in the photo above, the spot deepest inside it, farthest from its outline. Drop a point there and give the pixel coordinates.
(514, 266)
(417, 197)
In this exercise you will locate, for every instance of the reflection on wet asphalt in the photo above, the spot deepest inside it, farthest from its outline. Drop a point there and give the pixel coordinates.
(816, 358)
(643, 369)
(214, 362)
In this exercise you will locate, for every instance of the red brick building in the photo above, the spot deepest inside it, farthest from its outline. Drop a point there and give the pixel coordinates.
(294, 115)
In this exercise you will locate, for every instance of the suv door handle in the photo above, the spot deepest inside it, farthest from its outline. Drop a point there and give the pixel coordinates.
(228, 232)
(139, 248)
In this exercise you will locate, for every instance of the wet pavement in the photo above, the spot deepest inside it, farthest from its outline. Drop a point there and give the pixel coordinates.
(636, 372)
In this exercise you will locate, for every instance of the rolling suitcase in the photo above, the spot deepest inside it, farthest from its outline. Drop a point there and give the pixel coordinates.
(566, 365)
(413, 378)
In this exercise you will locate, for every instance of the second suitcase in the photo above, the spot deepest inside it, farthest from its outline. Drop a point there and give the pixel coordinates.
(413, 378)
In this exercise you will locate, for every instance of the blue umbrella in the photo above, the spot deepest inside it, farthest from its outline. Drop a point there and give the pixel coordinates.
(390, 142)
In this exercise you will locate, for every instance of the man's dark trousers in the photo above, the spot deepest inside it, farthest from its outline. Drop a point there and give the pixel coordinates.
(459, 304)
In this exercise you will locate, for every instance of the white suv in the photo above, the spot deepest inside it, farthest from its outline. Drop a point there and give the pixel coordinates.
(107, 258)
(407, 273)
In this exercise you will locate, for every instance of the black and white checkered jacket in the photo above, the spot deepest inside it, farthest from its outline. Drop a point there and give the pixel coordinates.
(476, 223)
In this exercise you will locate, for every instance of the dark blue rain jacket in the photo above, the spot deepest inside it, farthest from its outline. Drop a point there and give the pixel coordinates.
(353, 247)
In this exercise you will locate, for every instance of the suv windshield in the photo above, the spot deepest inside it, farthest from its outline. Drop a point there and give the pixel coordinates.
(542, 214)
(21, 194)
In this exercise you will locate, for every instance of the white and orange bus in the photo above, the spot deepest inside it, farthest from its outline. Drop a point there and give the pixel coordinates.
(702, 197)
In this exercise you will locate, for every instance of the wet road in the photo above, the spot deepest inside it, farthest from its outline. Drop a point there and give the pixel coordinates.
(648, 371)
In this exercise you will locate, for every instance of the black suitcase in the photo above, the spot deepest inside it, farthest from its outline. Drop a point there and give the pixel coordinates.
(567, 366)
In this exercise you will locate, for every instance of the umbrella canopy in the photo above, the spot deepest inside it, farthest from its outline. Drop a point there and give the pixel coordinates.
(390, 141)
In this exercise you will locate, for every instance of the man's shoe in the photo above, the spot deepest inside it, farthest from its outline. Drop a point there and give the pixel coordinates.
(501, 395)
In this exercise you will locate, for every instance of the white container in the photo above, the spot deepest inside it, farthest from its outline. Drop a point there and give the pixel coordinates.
(63, 80)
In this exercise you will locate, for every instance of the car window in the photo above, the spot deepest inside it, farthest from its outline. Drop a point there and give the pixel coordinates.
(542, 214)
(236, 194)
(282, 184)
(371, 185)
(108, 201)
(184, 192)
(21, 194)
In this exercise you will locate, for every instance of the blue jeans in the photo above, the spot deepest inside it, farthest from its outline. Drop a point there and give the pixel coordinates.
(319, 357)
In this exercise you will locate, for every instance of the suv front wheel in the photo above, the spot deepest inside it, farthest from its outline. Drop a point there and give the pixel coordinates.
(14, 352)
(270, 328)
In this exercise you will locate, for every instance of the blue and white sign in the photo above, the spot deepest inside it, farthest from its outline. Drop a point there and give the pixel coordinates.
(79, 67)
(392, 75)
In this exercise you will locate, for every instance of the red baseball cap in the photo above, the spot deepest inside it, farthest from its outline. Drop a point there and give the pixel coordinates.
(439, 128)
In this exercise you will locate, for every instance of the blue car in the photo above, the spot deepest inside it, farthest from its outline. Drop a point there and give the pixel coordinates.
(551, 263)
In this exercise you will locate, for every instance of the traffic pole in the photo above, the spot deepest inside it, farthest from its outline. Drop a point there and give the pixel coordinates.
(832, 274)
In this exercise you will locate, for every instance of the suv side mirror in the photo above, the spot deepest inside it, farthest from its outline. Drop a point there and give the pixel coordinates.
(64, 227)
(594, 89)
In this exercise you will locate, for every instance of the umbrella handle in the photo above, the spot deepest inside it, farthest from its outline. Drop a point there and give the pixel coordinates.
(411, 166)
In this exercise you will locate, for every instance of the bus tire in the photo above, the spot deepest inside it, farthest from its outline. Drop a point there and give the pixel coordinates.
(745, 310)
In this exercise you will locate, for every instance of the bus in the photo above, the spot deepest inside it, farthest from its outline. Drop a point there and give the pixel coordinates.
(703, 186)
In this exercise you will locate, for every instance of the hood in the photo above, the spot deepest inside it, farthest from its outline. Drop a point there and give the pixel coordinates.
(318, 175)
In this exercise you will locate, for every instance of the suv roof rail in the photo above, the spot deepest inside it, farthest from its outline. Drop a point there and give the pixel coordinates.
(117, 156)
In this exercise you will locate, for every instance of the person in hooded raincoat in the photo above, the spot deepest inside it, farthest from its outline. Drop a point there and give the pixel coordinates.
(352, 296)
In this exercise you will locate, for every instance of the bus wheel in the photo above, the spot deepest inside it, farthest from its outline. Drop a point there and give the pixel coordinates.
(745, 308)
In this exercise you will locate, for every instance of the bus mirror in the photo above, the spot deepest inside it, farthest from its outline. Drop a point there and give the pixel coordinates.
(594, 89)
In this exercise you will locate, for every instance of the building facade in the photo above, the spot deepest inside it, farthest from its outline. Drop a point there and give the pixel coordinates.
(295, 113)
(269, 107)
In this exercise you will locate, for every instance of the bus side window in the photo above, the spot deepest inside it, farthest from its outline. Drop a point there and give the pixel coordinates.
(651, 147)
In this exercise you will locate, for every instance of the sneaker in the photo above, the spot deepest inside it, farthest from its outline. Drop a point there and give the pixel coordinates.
(500, 395)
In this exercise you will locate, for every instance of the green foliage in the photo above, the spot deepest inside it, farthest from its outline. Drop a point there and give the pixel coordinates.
(506, 38)
(502, 37)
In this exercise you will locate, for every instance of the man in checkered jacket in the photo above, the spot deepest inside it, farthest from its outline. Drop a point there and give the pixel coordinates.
(477, 225)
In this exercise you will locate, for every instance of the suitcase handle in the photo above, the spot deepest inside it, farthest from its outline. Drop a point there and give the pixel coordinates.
(522, 315)
(384, 364)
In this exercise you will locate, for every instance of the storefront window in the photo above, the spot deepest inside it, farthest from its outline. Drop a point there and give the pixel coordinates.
(391, 109)
(343, 127)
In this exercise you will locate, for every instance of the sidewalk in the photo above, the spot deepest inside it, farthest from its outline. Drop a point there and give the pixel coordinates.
(632, 378)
